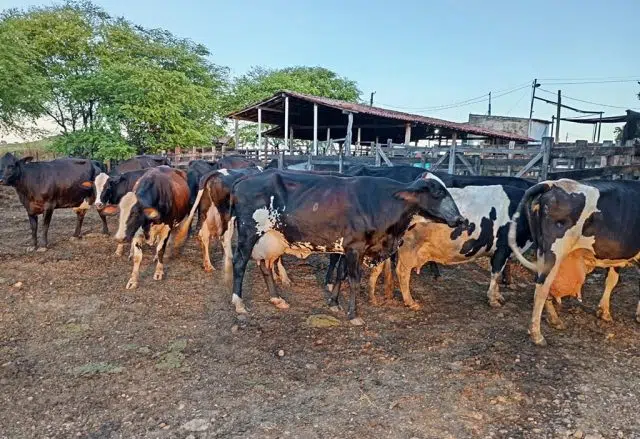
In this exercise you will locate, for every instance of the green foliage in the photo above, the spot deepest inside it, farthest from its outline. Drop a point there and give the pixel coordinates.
(260, 83)
(106, 82)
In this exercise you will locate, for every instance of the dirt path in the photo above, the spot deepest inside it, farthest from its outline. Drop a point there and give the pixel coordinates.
(82, 357)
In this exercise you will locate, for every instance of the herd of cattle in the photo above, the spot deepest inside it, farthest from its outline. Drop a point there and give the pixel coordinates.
(388, 218)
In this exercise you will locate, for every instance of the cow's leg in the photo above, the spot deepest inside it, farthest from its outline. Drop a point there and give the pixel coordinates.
(543, 284)
(119, 249)
(506, 274)
(80, 213)
(136, 249)
(498, 264)
(228, 254)
(105, 226)
(246, 241)
(282, 273)
(334, 259)
(204, 236)
(553, 319)
(403, 272)
(274, 297)
(33, 223)
(373, 280)
(352, 265)
(163, 239)
(45, 228)
(388, 280)
(604, 311)
(435, 271)
(334, 297)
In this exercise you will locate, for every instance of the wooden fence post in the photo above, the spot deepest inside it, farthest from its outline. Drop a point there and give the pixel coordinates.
(281, 160)
(547, 144)
(452, 154)
(377, 153)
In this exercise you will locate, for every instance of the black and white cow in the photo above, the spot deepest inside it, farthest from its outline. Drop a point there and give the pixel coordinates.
(488, 210)
(158, 204)
(45, 186)
(281, 212)
(578, 226)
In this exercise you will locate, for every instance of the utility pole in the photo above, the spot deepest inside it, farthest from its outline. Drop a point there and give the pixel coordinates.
(533, 97)
(558, 114)
(489, 104)
(371, 100)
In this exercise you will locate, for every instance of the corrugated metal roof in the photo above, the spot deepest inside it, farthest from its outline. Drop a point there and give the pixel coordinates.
(389, 114)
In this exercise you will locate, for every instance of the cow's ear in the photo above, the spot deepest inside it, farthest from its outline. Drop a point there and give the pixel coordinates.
(151, 213)
(26, 159)
(408, 196)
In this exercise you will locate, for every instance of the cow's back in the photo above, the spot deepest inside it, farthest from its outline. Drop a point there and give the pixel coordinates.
(166, 190)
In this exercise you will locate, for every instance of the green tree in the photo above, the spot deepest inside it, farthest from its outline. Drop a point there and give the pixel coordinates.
(113, 88)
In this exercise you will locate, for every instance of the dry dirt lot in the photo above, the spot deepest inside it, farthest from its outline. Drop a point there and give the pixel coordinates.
(82, 357)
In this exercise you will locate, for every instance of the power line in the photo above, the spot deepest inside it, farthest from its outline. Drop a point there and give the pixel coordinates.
(470, 101)
(604, 78)
(591, 82)
(587, 102)
(524, 93)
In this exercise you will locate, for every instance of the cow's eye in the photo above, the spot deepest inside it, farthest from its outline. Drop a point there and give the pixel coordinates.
(559, 224)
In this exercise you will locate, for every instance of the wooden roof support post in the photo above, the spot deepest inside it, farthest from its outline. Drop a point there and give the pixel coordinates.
(547, 144)
(315, 129)
(260, 133)
(328, 149)
(347, 138)
(407, 133)
(286, 121)
(358, 147)
(452, 154)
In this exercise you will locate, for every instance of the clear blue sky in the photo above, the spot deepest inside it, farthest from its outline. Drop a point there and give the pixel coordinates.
(419, 54)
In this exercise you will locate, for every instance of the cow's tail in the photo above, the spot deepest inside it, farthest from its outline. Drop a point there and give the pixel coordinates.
(185, 225)
(525, 203)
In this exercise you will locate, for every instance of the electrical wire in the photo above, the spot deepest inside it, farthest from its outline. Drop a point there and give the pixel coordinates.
(584, 101)
(517, 102)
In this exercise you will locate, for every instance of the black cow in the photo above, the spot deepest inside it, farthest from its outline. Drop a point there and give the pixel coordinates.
(45, 186)
(160, 201)
(142, 162)
(576, 227)
(297, 213)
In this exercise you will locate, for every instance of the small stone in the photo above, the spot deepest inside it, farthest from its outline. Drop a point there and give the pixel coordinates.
(620, 434)
(30, 398)
(578, 434)
(144, 350)
(281, 353)
(190, 437)
(234, 329)
(311, 366)
(197, 424)
(18, 285)
(456, 365)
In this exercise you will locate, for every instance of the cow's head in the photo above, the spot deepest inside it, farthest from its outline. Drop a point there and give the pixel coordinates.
(133, 215)
(11, 168)
(102, 183)
(429, 194)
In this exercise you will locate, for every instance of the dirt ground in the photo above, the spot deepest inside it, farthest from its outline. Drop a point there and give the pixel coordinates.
(82, 357)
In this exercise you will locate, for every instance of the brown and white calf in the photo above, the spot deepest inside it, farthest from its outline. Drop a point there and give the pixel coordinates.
(155, 208)
(45, 186)
(488, 209)
(576, 227)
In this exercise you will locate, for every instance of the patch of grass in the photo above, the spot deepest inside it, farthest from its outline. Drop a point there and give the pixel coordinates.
(173, 357)
(90, 369)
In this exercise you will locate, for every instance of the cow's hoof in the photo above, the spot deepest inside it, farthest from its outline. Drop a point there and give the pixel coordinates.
(132, 284)
(415, 306)
(75, 238)
(158, 275)
(334, 308)
(118, 253)
(285, 283)
(604, 315)
(279, 302)
(496, 303)
(357, 321)
(329, 288)
(557, 324)
(538, 340)
(31, 249)
(375, 302)
(208, 268)
(239, 305)
(41, 249)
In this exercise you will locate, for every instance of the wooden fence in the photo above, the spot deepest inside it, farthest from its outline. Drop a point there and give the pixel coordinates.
(545, 160)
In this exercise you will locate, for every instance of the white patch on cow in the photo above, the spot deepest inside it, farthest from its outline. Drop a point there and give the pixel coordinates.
(260, 168)
(338, 246)
(84, 206)
(266, 218)
(573, 238)
(223, 171)
(126, 204)
(100, 181)
(430, 176)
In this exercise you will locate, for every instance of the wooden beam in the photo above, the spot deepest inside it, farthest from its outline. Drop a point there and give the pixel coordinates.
(347, 139)
(383, 155)
(465, 162)
(452, 154)
(286, 121)
(440, 161)
(329, 147)
(315, 129)
(407, 133)
(529, 165)
(547, 144)
(260, 129)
